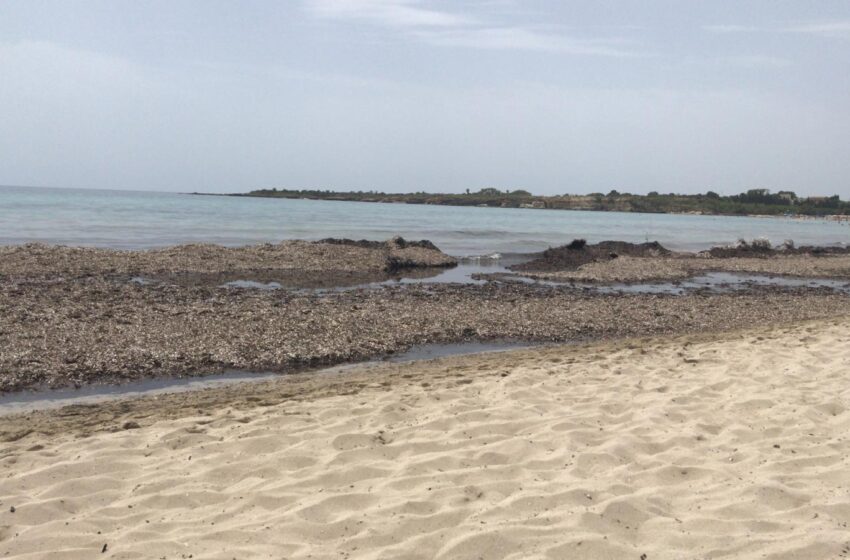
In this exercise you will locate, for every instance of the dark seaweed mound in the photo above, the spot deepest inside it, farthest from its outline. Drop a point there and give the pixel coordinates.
(395, 242)
(578, 253)
(761, 248)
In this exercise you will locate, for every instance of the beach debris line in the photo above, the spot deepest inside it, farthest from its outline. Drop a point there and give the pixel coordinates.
(328, 256)
(118, 332)
(761, 247)
(71, 317)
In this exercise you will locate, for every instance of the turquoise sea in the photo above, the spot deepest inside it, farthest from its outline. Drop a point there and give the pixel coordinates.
(129, 219)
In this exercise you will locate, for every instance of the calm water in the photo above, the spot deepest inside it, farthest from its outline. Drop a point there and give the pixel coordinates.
(125, 219)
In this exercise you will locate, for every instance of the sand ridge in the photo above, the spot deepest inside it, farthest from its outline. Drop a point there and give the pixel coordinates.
(731, 445)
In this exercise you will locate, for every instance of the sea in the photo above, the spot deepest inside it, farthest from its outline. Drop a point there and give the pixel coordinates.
(139, 220)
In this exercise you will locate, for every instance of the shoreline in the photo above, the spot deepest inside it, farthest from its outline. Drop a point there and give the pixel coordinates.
(240, 222)
(348, 378)
(40, 399)
(590, 203)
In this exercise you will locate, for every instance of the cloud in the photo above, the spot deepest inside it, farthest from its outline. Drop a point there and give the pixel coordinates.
(824, 29)
(393, 13)
(38, 69)
(755, 61)
(832, 29)
(448, 29)
(730, 28)
(519, 38)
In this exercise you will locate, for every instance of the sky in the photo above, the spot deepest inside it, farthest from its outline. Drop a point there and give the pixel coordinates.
(407, 95)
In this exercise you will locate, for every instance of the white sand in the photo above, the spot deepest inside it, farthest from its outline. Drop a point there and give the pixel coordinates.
(736, 446)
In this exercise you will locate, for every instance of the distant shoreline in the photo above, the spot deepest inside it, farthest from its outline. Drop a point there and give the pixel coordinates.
(754, 203)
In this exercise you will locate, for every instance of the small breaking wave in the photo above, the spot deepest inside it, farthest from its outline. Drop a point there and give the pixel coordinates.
(490, 257)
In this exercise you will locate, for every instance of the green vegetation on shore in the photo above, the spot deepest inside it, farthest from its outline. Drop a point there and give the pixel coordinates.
(752, 202)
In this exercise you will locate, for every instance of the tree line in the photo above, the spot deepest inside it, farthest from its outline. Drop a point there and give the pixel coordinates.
(753, 201)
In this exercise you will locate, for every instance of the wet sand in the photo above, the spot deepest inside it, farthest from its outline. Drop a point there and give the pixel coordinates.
(697, 446)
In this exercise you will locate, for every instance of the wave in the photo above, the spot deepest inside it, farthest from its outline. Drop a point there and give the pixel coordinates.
(478, 258)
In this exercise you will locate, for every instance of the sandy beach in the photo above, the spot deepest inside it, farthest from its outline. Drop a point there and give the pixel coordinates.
(706, 446)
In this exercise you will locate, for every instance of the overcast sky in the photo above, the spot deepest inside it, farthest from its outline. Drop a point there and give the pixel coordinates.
(401, 95)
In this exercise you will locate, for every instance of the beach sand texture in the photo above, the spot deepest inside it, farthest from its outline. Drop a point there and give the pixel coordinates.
(734, 445)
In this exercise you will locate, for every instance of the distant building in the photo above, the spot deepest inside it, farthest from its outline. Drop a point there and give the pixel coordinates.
(790, 196)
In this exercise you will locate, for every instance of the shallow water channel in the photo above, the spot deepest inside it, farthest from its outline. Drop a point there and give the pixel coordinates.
(28, 401)
(720, 282)
(465, 273)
